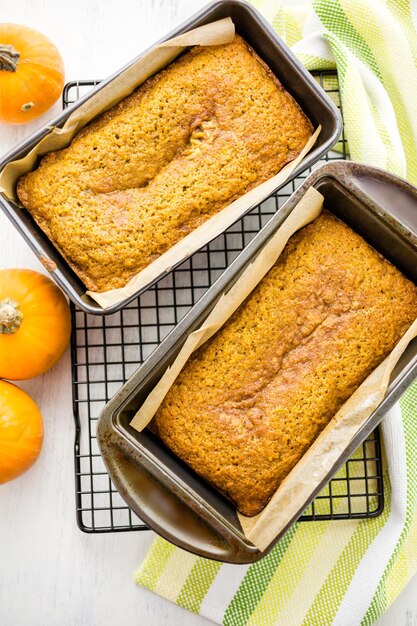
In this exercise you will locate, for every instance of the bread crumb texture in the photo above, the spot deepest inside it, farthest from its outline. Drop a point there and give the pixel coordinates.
(250, 402)
(189, 141)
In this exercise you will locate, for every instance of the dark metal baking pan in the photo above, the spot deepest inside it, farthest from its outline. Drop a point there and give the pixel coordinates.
(260, 35)
(157, 486)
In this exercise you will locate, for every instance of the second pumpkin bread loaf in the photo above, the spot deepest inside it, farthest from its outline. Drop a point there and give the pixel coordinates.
(250, 402)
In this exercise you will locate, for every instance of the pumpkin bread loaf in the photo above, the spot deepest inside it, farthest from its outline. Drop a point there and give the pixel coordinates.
(250, 401)
(190, 140)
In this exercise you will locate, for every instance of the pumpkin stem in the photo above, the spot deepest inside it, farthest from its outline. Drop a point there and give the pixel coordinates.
(9, 58)
(10, 316)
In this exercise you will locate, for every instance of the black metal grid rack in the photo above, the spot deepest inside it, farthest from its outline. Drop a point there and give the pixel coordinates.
(106, 351)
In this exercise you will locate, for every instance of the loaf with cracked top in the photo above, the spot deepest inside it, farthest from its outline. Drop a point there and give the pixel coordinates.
(250, 402)
(189, 141)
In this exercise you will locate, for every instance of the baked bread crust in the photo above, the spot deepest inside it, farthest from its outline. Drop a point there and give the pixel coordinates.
(250, 402)
(190, 140)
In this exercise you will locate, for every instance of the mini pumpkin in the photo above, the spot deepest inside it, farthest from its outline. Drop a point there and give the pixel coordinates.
(21, 431)
(35, 323)
(31, 74)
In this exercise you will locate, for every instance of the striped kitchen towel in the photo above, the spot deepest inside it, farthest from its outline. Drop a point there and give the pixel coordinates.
(340, 573)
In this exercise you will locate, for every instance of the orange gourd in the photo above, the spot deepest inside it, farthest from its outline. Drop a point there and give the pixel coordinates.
(35, 324)
(31, 74)
(21, 431)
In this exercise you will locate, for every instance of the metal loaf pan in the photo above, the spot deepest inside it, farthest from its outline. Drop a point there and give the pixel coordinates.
(162, 490)
(260, 35)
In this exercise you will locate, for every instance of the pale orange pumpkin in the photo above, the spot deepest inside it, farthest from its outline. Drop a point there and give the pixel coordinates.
(31, 74)
(35, 323)
(21, 431)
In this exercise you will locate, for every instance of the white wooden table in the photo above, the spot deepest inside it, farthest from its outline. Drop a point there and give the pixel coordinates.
(50, 572)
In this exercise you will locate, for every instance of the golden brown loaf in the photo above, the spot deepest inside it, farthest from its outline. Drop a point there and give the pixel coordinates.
(250, 401)
(188, 142)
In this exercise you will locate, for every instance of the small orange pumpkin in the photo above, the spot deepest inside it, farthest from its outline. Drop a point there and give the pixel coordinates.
(35, 324)
(31, 74)
(21, 431)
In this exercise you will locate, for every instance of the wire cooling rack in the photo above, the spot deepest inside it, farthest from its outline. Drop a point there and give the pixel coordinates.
(107, 350)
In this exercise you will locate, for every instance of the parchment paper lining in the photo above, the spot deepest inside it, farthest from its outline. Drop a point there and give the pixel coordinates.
(291, 497)
(216, 33)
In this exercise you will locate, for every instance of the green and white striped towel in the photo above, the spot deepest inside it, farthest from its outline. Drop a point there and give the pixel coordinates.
(322, 573)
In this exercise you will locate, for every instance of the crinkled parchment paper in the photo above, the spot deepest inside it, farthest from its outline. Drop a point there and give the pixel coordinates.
(312, 469)
(157, 58)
